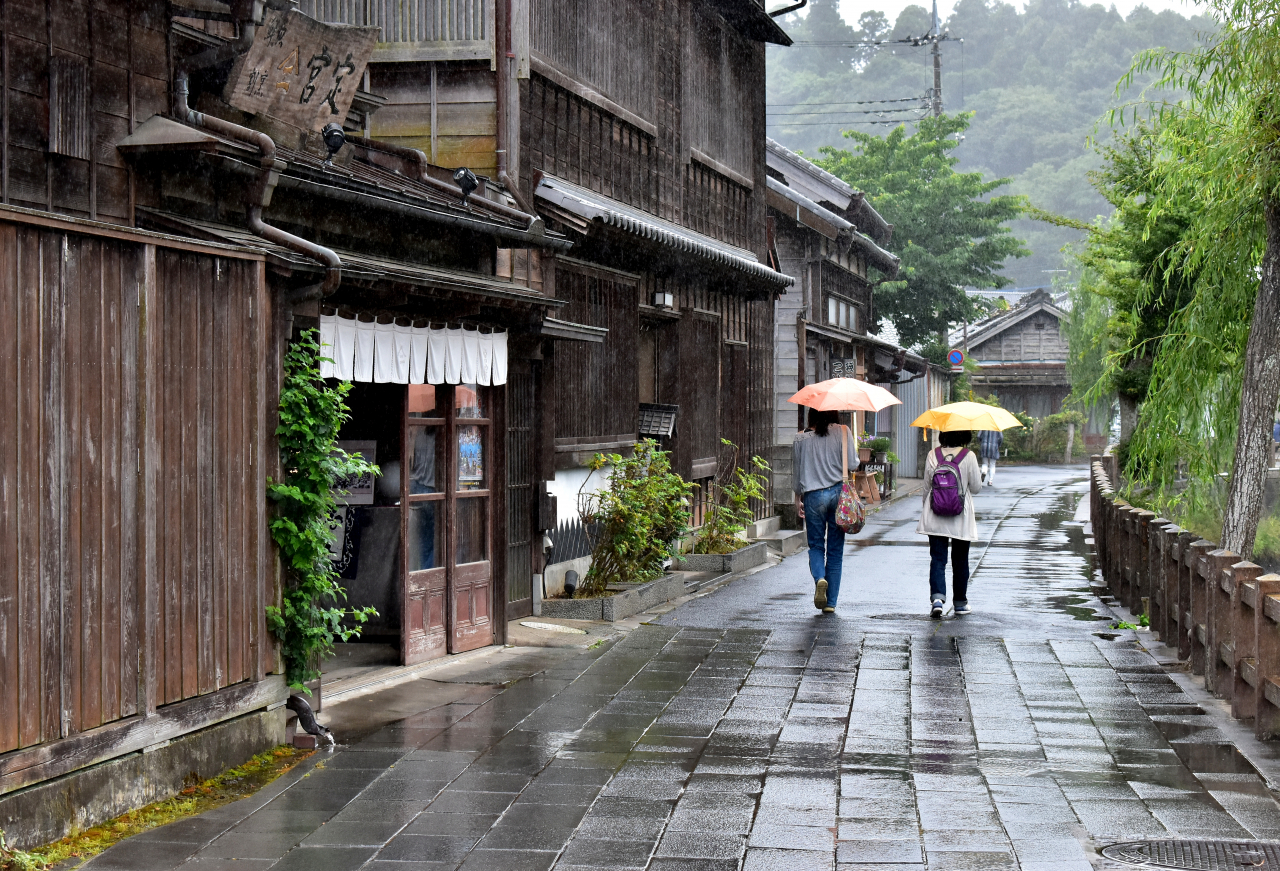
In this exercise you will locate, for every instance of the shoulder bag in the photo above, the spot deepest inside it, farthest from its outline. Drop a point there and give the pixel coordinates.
(851, 514)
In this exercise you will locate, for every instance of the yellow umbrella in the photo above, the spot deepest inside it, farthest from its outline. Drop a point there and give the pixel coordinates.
(966, 415)
(845, 394)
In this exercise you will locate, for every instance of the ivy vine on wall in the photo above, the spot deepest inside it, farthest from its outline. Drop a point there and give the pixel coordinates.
(310, 616)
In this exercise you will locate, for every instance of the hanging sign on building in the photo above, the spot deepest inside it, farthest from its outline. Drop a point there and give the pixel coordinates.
(301, 71)
(844, 368)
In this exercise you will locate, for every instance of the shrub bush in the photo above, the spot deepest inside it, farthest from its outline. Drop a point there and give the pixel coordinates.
(635, 519)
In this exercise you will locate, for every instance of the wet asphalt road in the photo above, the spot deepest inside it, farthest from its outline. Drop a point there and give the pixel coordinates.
(743, 730)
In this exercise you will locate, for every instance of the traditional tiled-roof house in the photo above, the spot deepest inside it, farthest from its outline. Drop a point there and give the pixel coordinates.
(830, 237)
(1021, 354)
(186, 185)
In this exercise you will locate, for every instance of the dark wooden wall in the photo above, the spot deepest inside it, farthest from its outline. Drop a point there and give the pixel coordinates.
(595, 384)
(680, 68)
(607, 45)
(720, 82)
(687, 146)
(132, 467)
(78, 77)
(566, 136)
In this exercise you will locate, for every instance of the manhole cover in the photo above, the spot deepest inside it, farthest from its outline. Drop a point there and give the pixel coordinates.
(1197, 855)
(552, 627)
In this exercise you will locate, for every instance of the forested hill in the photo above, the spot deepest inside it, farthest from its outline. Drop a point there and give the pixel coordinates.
(1037, 81)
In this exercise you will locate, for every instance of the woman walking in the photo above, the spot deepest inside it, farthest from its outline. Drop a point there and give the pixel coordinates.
(951, 477)
(818, 467)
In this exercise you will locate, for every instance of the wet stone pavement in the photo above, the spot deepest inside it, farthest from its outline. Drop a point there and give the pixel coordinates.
(743, 730)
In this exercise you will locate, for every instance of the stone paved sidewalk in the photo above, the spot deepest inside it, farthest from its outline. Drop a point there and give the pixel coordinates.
(745, 732)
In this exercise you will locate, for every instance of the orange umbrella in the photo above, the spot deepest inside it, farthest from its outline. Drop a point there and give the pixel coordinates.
(845, 394)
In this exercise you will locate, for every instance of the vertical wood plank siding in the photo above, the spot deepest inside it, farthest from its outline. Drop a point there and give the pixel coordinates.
(718, 97)
(410, 20)
(608, 45)
(596, 390)
(565, 136)
(77, 314)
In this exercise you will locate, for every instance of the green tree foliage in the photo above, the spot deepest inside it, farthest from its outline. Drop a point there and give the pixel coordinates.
(311, 414)
(1130, 284)
(1037, 78)
(1088, 342)
(635, 519)
(949, 228)
(1215, 381)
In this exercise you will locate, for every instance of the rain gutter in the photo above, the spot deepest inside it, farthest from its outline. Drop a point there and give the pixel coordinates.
(259, 193)
(533, 224)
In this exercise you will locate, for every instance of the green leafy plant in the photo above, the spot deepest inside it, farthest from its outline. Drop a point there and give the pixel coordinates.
(311, 415)
(879, 445)
(13, 859)
(893, 458)
(1121, 624)
(635, 519)
(911, 179)
(730, 510)
(1144, 621)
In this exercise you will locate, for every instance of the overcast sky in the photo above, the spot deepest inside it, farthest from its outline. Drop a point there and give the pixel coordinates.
(851, 9)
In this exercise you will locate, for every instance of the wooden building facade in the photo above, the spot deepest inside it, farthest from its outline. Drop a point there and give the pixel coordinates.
(1021, 355)
(167, 225)
(829, 236)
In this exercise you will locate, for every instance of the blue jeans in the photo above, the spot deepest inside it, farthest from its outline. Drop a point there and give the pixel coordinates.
(826, 540)
(938, 569)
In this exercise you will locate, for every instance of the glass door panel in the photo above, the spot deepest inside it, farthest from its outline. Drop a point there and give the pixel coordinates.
(424, 627)
(473, 530)
(447, 528)
(471, 567)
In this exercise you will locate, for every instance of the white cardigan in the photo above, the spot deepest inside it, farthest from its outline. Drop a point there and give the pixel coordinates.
(962, 526)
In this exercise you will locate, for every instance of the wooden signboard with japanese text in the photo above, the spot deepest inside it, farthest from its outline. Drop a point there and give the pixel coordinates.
(301, 71)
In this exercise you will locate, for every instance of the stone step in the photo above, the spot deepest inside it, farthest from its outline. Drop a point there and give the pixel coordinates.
(761, 528)
(785, 541)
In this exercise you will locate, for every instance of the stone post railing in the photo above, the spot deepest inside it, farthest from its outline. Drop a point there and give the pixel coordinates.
(1222, 613)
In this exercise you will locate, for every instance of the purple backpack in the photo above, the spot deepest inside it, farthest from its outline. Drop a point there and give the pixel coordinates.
(945, 488)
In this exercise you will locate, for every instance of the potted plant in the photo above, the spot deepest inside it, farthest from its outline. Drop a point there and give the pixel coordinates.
(864, 447)
(720, 545)
(880, 448)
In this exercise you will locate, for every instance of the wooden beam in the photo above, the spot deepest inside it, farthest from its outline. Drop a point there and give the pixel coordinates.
(56, 758)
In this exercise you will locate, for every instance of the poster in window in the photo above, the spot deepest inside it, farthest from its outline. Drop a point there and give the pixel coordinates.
(470, 458)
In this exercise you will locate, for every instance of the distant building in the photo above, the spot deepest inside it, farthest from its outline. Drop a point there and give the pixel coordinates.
(1021, 354)
(830, 238)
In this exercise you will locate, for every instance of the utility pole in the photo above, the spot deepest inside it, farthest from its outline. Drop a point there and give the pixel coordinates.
(937, 63)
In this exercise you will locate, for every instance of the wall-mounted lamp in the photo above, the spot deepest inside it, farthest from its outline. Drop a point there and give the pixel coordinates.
(663, 299)
(334, 138)
(466, 181)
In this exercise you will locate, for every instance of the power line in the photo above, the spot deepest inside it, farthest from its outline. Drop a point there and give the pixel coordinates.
(893, 122)
(852, 102)
(848, 112)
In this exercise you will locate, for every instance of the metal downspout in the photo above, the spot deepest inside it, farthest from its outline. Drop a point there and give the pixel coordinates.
(259, 196)
(506, 61)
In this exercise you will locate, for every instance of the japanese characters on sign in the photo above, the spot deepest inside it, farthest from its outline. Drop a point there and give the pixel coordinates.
(301, 71)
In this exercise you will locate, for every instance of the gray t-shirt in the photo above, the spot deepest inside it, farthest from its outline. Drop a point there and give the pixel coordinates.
(816, 459)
